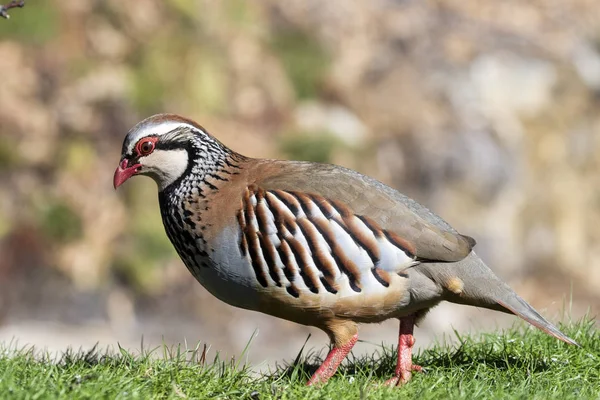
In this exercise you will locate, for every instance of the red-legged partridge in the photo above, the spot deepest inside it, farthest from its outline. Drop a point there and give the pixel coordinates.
(316, 244)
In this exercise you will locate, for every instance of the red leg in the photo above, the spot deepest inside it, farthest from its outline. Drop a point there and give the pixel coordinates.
(331, 363)
(406, 342)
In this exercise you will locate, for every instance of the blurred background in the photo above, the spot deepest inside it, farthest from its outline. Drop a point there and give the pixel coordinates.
(488, 112)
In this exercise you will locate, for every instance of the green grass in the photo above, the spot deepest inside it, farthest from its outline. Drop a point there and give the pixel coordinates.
(520, 363)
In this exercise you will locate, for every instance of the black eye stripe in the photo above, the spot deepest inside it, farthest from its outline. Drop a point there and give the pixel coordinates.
(173, 145)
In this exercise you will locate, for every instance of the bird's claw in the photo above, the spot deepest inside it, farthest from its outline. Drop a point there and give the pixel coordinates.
(404, 376)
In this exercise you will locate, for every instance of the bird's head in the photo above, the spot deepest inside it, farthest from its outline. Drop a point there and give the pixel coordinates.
(164, 147)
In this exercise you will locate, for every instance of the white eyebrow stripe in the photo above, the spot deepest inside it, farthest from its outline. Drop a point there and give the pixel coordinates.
(166, 127)
(155, 129)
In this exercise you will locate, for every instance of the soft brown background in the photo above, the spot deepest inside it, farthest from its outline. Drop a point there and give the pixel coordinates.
(488, 112)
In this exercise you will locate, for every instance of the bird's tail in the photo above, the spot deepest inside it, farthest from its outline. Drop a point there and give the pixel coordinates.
(516, 305)
(478, 286)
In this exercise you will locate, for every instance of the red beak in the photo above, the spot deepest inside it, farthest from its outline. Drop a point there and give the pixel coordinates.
(124, 172)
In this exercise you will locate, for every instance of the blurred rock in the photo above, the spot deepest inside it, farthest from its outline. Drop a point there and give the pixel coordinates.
(586, 58)
(315, 117)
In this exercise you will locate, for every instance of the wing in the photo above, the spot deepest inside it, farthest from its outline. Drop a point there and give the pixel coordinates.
(424, 234)
(306, 242)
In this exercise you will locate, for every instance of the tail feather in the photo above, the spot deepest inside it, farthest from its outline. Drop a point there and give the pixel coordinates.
(529, 314)
(482, 288)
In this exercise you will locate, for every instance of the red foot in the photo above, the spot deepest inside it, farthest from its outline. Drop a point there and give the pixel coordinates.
(406, 341)
(331, 363)
(404, 377)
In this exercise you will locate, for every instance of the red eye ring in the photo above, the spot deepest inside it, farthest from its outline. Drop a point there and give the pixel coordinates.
(145, 146)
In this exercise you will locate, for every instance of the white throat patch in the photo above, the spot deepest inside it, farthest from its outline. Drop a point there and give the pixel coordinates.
(165, 166)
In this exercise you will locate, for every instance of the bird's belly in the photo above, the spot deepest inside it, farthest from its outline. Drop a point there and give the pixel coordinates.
(225, 273)
(315, 309)
(239, 290)
(231, 277)
(227, 287)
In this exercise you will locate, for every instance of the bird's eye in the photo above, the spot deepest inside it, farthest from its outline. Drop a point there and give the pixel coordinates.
(145, 147)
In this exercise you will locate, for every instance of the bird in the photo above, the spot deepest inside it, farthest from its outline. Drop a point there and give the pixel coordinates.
(313, 243)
